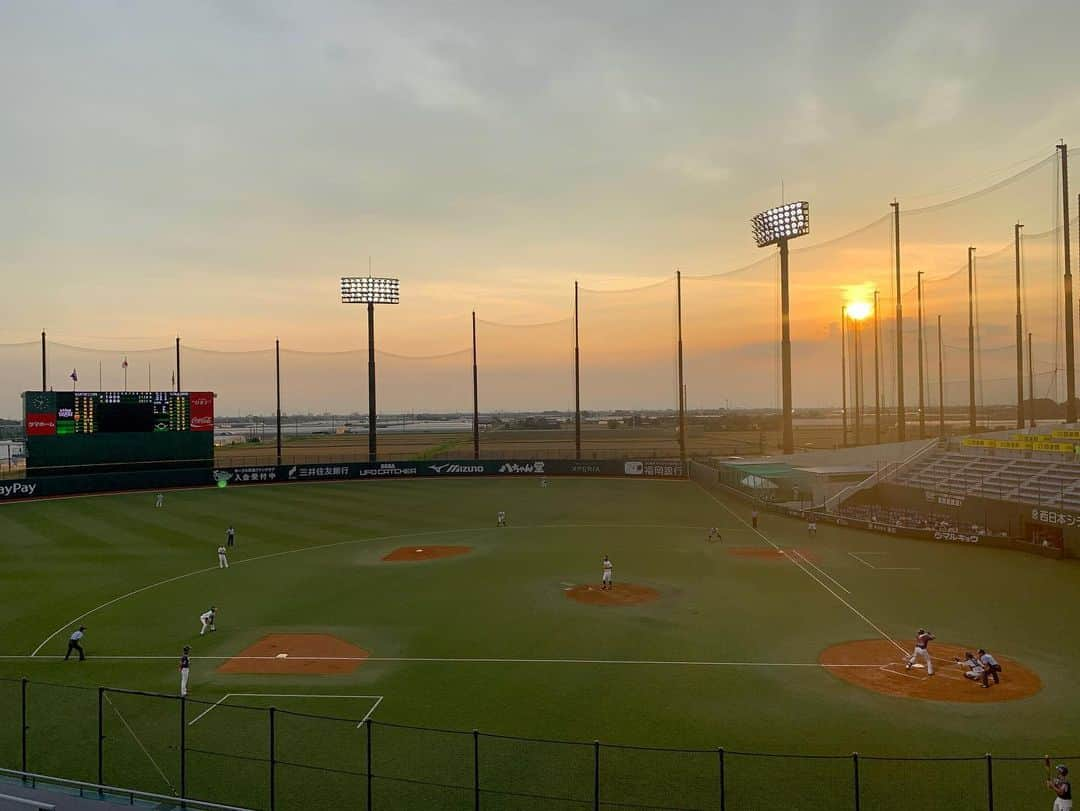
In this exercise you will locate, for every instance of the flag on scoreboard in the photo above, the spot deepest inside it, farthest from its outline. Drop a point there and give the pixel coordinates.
(124, 364)
(74, 376)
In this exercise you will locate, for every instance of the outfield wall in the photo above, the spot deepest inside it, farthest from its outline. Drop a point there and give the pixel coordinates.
(52, 486)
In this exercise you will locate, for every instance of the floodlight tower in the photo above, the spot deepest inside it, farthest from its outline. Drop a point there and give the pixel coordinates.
(370, 290)
(775, 227)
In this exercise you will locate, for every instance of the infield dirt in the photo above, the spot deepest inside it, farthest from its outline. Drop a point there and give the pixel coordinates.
(619, 594)
(887, 673)
(291, 654)
(414, 553)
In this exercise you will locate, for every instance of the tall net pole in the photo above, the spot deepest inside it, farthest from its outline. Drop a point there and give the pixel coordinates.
(1070, 349)
(971, 340)
(577, 379)
(475, 395)
(682, 387)
(1019, 333)
(1031, 383)
(901, 418)
(877, 375)
(44, 386)
(922, 384)
(277, 391)
(177, 364)
(843, 375)
(940, 380)
(785, 349)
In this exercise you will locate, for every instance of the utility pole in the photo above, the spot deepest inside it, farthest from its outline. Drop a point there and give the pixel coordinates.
(901, 417)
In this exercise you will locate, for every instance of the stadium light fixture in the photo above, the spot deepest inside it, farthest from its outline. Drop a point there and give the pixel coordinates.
(370, 290)
(777, 226)
(781, 223)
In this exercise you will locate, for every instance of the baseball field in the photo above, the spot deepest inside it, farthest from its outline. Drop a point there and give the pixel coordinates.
(363, 612)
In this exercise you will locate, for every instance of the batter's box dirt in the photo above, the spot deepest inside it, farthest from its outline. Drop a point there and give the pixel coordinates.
(414, 553)
(879, 666)
(619, 594)
(294, 654)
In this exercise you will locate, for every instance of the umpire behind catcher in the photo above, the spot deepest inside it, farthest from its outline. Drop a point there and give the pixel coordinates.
(73, 643)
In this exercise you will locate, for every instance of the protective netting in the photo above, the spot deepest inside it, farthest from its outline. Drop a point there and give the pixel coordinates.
(730, 323)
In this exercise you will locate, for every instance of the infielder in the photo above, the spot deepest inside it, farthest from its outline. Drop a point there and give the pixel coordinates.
(753, 518)
(222, 560)
(609, 573)
(207, 620)
(922, 640)
(185, 668)
(1061, 786)
(159, 500)
(714, 535)
(500, 519)
(811, 529)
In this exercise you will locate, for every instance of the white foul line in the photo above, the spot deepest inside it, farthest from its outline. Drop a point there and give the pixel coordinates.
(806, 560)
(455, 660)
(140, 743)
(822, 583)
(378, 701)
(883, 568)
(429, 533)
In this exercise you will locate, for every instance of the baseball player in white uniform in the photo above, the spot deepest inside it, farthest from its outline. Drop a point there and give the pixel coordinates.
(609, 573)
(185, 669)
(970, 665)
(922, 640)
(500, 519)
(811, 528)
(222, 560)
(207, 619)
(159, 500)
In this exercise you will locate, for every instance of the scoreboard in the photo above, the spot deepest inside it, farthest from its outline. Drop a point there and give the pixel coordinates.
(108, 431)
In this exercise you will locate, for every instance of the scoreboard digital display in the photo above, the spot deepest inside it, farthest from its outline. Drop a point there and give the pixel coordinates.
(117, 430)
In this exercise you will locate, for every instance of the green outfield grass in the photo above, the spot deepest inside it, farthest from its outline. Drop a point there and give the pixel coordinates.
(725, 658)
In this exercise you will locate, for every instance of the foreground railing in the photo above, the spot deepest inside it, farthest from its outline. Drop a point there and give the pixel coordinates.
(241, 756)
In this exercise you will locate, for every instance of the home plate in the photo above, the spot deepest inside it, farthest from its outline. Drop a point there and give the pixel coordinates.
(282, 656)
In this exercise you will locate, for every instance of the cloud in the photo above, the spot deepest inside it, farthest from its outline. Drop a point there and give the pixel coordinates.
(696, 168)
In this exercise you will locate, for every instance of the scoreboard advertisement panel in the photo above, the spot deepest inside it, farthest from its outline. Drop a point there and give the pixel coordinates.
(105, 431)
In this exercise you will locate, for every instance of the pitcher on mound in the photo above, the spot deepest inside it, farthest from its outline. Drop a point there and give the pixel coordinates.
(609, 570)
(922, 641)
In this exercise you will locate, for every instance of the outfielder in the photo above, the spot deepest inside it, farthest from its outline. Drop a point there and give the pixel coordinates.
(714, 535)
(222, 560)
(185, 668)
(811, 528)
(500, 519)
(609, 573)
(207, 619)
(230, 536)
(159, 500)
(922, 640)
(1062, 787)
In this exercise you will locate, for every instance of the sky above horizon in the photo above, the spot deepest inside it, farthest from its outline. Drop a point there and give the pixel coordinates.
(212, 169)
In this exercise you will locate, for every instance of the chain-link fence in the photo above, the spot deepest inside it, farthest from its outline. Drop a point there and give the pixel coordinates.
(269, 758)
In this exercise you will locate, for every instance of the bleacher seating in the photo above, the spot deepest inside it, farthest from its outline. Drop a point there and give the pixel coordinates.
(1046, 480)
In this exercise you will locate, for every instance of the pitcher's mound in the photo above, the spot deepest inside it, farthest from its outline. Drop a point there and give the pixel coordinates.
(619, 594)
(426, 552)
(878, 665)
(290, 654)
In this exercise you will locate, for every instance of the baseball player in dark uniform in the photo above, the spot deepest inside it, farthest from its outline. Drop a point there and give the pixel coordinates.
(185, 669)
(73, 643)
(230, 536)
(1061, 786)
